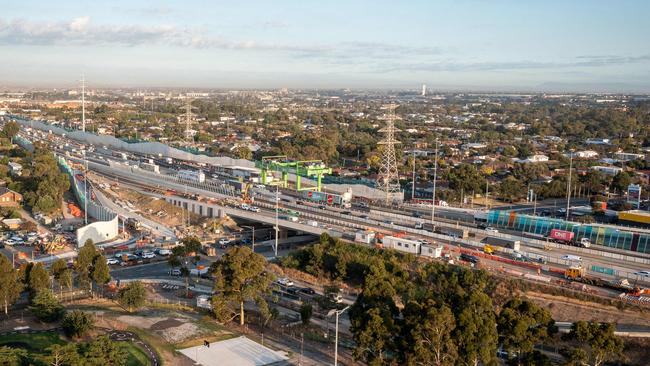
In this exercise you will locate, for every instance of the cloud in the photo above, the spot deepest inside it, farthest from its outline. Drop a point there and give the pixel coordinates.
(79, 24)
(580, 61)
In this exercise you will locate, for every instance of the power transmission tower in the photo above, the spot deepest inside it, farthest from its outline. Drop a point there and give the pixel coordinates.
(188, 121)
(388, 179)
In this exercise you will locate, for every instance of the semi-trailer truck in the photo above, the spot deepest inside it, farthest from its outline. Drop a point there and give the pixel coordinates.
(568, 237)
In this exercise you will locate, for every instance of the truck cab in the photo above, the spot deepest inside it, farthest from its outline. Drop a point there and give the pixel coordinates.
(585, 242)
(574, 272)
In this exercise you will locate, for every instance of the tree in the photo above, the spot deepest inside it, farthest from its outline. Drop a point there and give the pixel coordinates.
(10, 356)
(10, 129)
(574, 357)
(103, 351)
(47, 307)
(100, 271)
(430, 339)
(511, 189)
(240, 277)
(243, 152)
(61, 273)
(621, 181)
(522, 324)
(83, 263)
(306, 311)
(476, 331)
(76, 323)
(598, 341)
(63, 355)
(36, 278)
(132, 296)
(467, 178)
(10, 283)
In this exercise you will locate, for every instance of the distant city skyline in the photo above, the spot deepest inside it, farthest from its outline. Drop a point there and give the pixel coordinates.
(573, 46)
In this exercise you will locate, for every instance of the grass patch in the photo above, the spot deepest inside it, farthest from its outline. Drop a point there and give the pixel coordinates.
(154, 342)
(32, 342)
(137, 356)
(178, 307)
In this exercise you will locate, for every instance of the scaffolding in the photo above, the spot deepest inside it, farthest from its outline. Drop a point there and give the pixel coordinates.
(300, 168)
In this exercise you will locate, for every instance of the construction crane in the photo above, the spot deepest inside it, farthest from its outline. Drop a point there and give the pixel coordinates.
(302, 169)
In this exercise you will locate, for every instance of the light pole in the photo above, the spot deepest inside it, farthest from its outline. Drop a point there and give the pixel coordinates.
(413, 186)
(336, 332)
(253, 239)
(277, 208)
(433, 199)
(568, 186)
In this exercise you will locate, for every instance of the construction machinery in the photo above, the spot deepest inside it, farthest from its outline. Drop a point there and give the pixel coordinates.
(574, 272)
(487, 249)
(245, 193)
(301, 169)
(50, 246)
(637, 291)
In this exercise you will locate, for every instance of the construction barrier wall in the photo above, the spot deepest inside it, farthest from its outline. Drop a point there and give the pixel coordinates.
(597, 234)
(106, 228)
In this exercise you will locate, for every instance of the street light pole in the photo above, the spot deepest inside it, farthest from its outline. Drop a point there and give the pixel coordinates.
(413, 186)
(336, 332)
(277, 208)
(568, 186)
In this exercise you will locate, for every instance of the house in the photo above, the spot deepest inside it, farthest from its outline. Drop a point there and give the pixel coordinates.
(15, 169)
(598, 141)
(12, 224)
(623, 156)
(609, 170)
(585, 154)
(9, 198)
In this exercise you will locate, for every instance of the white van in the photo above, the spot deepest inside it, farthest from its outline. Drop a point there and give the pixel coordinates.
(571, 257)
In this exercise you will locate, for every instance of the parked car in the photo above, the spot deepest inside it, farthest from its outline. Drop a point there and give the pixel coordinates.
(468, 258)
(111, 261)
(148, 255)
(163, 252)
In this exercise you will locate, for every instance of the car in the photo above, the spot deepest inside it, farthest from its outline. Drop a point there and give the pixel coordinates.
(468, 258)
(321, 207)
(346, 213)
(255, 209)
(245, 207)
(223, 242)
(416, 214)
(308, 291)
(111, 261)
(571, 257)
(163, 252)
(492, 230)
(285, 281)
(10, 242)
(120, 255)
(642, 273)
(175, 272)
(148, 255)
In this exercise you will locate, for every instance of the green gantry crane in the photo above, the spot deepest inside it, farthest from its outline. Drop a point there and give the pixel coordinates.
(304, 168)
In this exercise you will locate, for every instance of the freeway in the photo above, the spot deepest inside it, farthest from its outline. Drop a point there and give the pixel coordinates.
(337, 223)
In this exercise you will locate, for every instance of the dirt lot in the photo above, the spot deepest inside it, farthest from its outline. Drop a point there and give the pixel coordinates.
(565, 309)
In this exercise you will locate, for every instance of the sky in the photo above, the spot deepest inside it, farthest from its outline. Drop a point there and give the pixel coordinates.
(498, 45)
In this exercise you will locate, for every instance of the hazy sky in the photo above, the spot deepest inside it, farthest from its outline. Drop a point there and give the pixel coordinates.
(459, 44)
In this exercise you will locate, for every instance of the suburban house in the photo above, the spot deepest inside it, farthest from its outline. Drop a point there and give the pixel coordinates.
(15, 169)
(9, 198)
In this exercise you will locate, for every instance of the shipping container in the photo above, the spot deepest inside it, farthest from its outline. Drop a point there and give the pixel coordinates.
(402, 244)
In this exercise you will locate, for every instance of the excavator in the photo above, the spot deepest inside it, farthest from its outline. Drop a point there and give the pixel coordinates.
(245, 193)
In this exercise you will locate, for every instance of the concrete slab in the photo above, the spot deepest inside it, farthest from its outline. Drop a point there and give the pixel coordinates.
(239, 351)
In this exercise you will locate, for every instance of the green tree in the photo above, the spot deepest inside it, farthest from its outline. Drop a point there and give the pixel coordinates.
(598, 341)
(240, 276)
(47, 307)
(36, 278)
(306, 310)
(574, 357)
(523, 324)
(243, 152)
(467, 178)
(103, 351)
(83, 263)
(430, 339)
(621, 181)
(132, 296)
(63, 355)
(10, 129)
(476, 331)
(76, 323)
(100, 271)
(511, 189)
(10, 356)
(10, 283)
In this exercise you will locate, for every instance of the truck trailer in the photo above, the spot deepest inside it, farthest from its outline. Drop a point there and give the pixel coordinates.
(568, 237)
